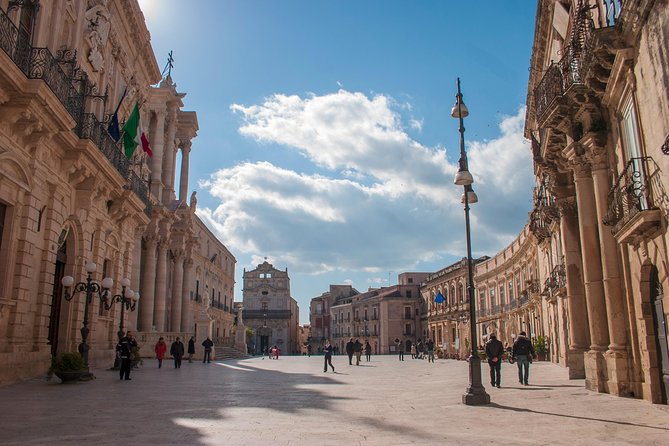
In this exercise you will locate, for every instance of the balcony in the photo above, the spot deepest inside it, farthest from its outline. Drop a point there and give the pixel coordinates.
(633, 212)
(267, 314)
(141, 189)
(580, 77)
(556, 281)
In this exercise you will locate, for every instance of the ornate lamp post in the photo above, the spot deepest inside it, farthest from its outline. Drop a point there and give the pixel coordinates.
(475, 394)
(128, 300)
(89, 288)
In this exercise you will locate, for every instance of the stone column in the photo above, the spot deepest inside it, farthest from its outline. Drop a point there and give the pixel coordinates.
(577, 312)
(160, 304)
(135, 274)
(177, 292)
(183, 177)
(168, 156)
(148, 285)
(616, 356)
(186, 314)
(156, 161)
(592, 272)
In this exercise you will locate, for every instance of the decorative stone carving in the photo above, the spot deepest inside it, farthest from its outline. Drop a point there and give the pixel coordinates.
(97, 33)
(567, 205)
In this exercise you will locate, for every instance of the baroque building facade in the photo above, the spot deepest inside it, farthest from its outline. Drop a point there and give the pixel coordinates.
(588, 271)
(319, 314)
(69, 196)
(270, 311)
(598, 119)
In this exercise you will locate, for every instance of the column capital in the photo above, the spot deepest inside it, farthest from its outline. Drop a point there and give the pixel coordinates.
(581, 167)
(567, 205)
(598, 159)
(186, 146)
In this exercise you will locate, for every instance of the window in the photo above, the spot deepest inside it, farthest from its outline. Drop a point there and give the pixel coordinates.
(407, 312)
(631, 142)
(408, 293)
(410, 280)
(3, 212)
(407, 329)
(264, 306)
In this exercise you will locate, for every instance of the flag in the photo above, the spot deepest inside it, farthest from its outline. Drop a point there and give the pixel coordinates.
(131, 135)
(145, 143)
(113, 128)
(439, 299)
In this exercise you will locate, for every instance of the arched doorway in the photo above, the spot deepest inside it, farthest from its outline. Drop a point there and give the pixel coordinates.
(57, 295)
(660, 324)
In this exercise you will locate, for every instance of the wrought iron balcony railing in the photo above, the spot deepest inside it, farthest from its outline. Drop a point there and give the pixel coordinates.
(91, 128)
(141, 189)
(267, 314)
(632, 192)
(556, 280)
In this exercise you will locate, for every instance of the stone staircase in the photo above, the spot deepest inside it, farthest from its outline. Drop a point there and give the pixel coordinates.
(223, 353)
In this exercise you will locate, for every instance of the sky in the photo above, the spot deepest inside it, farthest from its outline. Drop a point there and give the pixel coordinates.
(326, 143)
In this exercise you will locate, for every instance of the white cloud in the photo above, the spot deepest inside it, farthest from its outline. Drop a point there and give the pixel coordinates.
(388, 203)
(416, 124)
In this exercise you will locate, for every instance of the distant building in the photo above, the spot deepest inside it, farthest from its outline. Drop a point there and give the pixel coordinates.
(319, 313)
(379, 315)
(304, 333)
(269, 310)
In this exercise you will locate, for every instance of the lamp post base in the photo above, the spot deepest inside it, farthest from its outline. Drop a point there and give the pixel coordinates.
(475, 394)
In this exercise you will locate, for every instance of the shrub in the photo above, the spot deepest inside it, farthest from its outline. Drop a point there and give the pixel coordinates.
(540, 345)
(67, 362)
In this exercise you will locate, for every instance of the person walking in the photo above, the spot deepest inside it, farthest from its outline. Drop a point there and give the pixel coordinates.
(357, 348)
(276, 352)
(494, 350)
(368, 351)
(160, 349)
(309, 351)
(124, 352)
(177, 352)
(191, 348)
(207, 344)
(349, 351)
(523, 352)
(327, 351)
(400, 350)
(429, 345)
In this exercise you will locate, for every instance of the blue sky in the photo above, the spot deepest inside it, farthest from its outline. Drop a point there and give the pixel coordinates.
(326, 142)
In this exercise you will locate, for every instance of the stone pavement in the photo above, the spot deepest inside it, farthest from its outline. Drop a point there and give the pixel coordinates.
(292, 402)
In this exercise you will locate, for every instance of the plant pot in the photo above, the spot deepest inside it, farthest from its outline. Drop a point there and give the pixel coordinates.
(69, 377)
(541, 356)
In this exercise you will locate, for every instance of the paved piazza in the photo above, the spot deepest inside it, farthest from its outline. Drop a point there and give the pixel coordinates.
(292, 402)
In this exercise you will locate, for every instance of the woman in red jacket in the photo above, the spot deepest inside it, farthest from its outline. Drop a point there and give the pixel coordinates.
(161, 349)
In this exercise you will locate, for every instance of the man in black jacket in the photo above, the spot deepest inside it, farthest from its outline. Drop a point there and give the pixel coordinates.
(349, 351)
(124, 352)
(494, 351)
(207, 344)
(523, 352)
(177, 352)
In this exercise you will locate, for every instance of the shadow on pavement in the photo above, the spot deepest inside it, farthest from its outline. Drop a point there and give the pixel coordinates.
(623, 423)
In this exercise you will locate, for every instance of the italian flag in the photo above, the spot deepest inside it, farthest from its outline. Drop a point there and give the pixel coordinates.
(133, 134)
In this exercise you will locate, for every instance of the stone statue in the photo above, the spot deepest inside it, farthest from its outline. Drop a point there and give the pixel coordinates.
(193, 201)
(98, 32)
(240, 335)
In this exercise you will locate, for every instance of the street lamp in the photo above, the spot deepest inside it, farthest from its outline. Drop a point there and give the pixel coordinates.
(475, 394)
(128, 300)
(89, 288)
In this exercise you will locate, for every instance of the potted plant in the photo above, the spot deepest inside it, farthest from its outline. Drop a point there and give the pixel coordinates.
(136, 357)
(69, 367)
(540, 347)
(440, 353)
